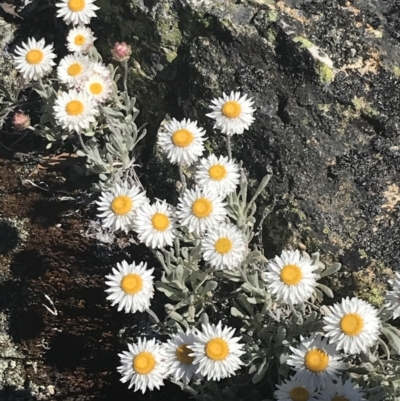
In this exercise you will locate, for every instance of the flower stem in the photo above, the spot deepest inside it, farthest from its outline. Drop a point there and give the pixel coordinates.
(157, 320)
(228, 147)
(183, 179)
(125, 64)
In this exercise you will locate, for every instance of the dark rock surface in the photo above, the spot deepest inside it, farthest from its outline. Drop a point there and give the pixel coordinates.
(325, 76)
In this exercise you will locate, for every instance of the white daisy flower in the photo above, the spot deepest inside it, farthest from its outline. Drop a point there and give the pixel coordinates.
(77, 12)
(232, 114)
(342, 391)
(182, 142)
(119, 206)
(393, 297)
(353, 325)
(224, 247)
(155, 224)
(98, 87)
(220, 175)
(216, 352)
(80, 39)
(72, 70)
(295, 390)
(290, 277)
(200, 210)
(315, 361)
(177, 352)
(98, 68)
(34, 60)
(74, 110)
(131, 287)
(143, 366)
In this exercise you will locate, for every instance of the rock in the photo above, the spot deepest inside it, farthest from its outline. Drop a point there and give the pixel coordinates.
(326, 120)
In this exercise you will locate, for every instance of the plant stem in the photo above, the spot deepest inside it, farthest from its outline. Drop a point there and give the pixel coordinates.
(84, 147)
(125, 64)
(183, 179)
(228, 147)
(157, 320)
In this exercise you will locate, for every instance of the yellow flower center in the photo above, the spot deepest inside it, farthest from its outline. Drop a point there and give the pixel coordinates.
(74, 108)
(182, 138)
(316, 360)
(182, 353)
(76, 5)
(74, 69)
(96, 88)
(202, 207)
(144, 363)
(160, 221)
(34, 56)
(352, 324)
(131, 284)
(223, 245)
(121, 205)
(231, 109)
(217, 172)
(79, 40)
(291, 274)
(339, 398)
(217, 349)
(299, 394)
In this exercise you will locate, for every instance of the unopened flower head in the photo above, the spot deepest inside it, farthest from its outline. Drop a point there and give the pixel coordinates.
(118, 206)
(155, 224)
(80, 39)
(342, 391)
(393, 297)
(77, 12)
(73, 69)
(199, 210)
(294, 389)
(131, 287)
(177, 352)
(216, 352)
(182, 142)
(98, 87)
(34, 59)
(219, 174)
(232, 113)
(353, 325)
(121, 51)
(315, 361)
(21, 121)
(224, 247)
(143, 366)
(290, 277)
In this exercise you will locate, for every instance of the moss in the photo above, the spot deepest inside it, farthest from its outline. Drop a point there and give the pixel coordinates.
(304, 42)
(375, 296)
(326, 73)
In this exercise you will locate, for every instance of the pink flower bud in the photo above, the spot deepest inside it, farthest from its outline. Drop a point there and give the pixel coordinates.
(21, 121)
(121, 52)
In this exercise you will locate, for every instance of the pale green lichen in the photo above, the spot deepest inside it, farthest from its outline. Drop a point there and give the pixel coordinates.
(375, 296)
(273, 16)
(396, 71)
(304, 42)
(362, 106)
(326, 73)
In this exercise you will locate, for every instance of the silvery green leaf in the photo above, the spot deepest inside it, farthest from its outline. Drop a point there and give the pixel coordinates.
(210, 285)
(237, 313)
(103, 177)
(179, 318)
(179, 273)
(333, 268)
(170, 292)
(393, 335)
(89, 133)
(49, 145)
(328, 292)
(261, 371)
(204, 318)
(192, 312)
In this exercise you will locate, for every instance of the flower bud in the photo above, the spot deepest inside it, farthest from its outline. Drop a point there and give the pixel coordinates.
(21, 121)
(121, 51)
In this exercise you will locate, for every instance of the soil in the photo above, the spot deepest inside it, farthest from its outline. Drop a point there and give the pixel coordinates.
(44, 251)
